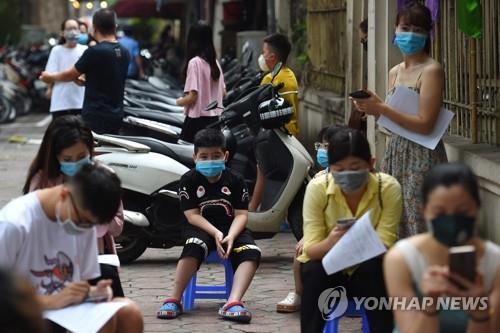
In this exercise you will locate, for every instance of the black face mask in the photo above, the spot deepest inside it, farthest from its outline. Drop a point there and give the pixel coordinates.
(453, 230)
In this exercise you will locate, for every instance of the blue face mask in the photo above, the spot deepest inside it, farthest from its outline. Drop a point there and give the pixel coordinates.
(71, 168)
(210, 168)
(322, 157)
(409, 42)
(83, 39)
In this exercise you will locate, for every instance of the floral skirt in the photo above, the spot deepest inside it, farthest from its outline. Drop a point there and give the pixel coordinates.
(409, 163)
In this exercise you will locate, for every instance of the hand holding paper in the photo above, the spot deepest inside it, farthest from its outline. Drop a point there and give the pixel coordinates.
(358, 244)
(408, 101)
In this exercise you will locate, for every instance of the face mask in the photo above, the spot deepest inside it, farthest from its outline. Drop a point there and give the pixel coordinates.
(71, 168)
(322, 157)
(210, 168)
(83, 39)
(452, 230)
(72, 36)
(410, 42)
(68, 225)
(351, 181)
(262, 64)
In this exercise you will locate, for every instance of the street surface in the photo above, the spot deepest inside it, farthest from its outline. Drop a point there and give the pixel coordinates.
(150, 278)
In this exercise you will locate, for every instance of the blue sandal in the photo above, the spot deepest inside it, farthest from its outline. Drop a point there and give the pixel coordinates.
(170, 309)
(235, 311)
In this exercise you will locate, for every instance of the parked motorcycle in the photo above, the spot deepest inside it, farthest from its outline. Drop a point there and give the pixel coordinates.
(150, 171)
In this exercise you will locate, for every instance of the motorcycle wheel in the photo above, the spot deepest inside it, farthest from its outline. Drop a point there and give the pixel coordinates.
(128, 246)
(294, 217)
(5, 109)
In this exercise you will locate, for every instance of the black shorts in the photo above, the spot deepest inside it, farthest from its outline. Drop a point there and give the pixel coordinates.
(102, 125)
(198, 244)
(60, 113)
(194, 125)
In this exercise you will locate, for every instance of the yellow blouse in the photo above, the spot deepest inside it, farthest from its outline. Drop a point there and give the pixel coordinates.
(324, 205)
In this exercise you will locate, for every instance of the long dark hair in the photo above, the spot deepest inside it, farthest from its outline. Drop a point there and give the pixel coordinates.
(62, 40)
(200, 43)
(63, 132)
(449, 174)
(419, 16)
(345, 142)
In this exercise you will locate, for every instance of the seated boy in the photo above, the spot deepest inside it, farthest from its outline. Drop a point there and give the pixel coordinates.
(215, 203)
(48, 237)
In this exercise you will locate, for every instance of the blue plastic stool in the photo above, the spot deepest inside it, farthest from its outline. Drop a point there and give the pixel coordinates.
(195, 291)
(332, 326)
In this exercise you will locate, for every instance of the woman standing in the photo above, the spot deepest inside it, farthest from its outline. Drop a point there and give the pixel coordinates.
(407, 161)
(204, 82)
(66, 97)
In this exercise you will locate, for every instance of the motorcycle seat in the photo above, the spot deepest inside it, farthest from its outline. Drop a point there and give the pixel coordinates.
(168, 118)
(181, 153)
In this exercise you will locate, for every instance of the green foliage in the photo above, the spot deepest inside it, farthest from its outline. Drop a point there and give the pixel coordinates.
(147, 30)
(299, 41)
(10, 21)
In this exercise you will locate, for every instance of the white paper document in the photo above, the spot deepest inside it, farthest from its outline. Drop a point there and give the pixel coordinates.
(110, 259)
(85, 317)
(407, 101)
(357, 245)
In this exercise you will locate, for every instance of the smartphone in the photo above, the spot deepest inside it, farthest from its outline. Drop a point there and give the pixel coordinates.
(360, 94)
(95, 299)
(462, 261)
(345, 223)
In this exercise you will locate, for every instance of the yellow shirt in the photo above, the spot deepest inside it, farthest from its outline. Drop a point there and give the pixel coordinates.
(289, 92)
(324, 205)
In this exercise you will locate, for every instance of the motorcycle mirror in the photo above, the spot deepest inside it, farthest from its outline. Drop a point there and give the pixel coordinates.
(276, 69)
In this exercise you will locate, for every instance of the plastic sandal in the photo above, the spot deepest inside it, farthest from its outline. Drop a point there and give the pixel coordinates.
(235, 311)
(170, 309)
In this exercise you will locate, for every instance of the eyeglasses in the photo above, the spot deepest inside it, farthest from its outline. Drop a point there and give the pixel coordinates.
(319, 145)
(81, 223)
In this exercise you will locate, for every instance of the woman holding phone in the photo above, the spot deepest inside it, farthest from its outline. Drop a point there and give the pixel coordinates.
(419, 266)
(347, 191)
(407, 161)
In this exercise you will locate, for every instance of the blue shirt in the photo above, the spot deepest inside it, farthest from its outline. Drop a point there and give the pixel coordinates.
(133, 48)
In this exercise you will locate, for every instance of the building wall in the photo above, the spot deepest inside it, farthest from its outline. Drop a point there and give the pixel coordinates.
(47, 14)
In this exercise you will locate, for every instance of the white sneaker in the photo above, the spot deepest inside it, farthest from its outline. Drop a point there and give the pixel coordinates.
(290, 304)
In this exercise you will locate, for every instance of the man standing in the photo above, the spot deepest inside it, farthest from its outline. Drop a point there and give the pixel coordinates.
(135, 68)
(105, 67)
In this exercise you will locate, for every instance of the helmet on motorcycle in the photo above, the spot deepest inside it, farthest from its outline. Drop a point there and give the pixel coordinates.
(275, 113)
(231, 143)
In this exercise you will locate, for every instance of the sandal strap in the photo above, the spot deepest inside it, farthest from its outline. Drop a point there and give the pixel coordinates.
(173, 300)
(231, 304)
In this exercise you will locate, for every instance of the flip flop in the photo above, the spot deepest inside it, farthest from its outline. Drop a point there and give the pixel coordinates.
(235, 311)
(170, 309)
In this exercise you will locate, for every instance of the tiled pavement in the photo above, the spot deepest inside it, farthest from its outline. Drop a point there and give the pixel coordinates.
(148, 280)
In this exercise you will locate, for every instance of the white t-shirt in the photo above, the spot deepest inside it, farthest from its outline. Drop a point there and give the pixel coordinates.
(39, 249)
(65, 95)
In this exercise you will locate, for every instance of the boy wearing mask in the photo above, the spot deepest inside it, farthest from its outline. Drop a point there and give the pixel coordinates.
(215, 203)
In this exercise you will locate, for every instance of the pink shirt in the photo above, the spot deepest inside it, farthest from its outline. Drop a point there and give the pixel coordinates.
(198, 78)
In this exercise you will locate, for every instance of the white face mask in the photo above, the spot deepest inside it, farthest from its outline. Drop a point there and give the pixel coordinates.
(262, 64)
(68, 225)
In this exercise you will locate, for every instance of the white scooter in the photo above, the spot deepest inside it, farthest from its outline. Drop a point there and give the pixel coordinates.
(150, 171)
